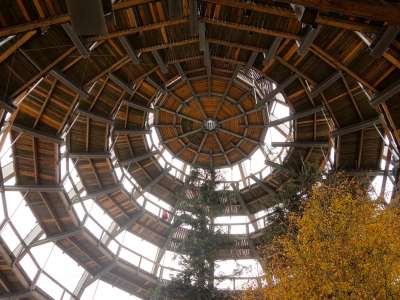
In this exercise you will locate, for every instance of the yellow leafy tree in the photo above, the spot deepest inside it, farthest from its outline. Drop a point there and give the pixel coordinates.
(344, 246)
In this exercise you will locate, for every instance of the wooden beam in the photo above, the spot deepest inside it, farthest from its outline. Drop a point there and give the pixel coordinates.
(129, 50)
(296, 116)
(89, 155)
(386, 94)
(143, 28)
(182, 135)
(288, 81)
(60, 19)
(69, 83)
(325, 84)
(251, 28)
(371, 10)
(356, 127)
(21, 41)
(102, 192)
(139, 158)
(160, 62)
(114, 78)
(155, 180)
(202, 36)
(301, 144)
(83, 51)
(56, 237)
(308, 39)
(193, 17)
(37, 24)
(7, 106)
(37, 133)
(270, 55)
(251, 61)
(263, 185)
(123, 131)
(368, 173)
(138, 107)
(382, 43)
(180, 115)
(94, 116)
(244, 206)
(38, 188)
(265, 9)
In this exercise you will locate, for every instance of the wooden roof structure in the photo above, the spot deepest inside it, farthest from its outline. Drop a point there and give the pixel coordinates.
(336, 62)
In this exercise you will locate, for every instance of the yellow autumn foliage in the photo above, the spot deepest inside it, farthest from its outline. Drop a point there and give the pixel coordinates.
(345, 246)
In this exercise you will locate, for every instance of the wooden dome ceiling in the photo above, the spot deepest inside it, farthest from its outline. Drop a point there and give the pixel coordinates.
(210, 126)
(89, 99)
